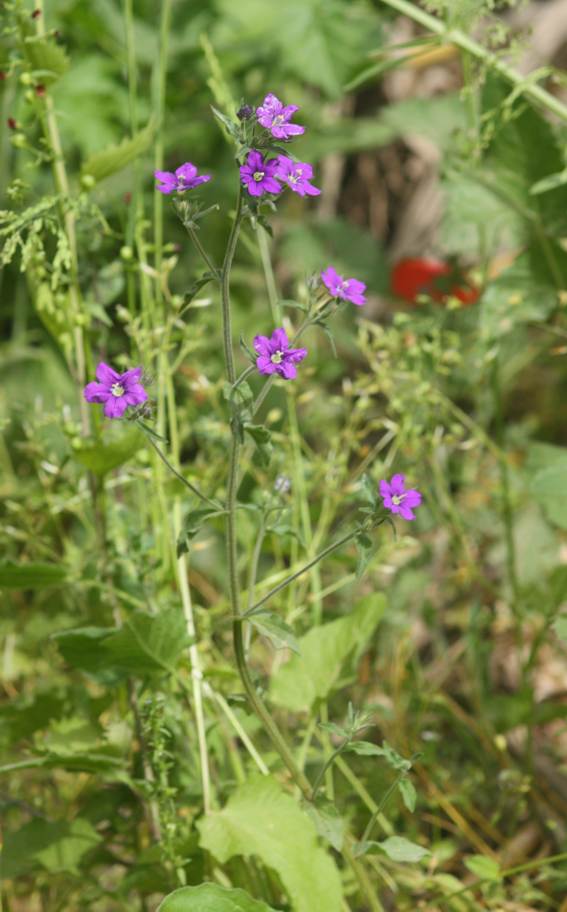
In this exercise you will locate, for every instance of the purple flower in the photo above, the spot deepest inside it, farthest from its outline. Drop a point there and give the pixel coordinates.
(275, 355)
(258, 175)
(275, 117)
(297, 176)
(184, 178)
(117, 391)
(346, 289)
(397, 499)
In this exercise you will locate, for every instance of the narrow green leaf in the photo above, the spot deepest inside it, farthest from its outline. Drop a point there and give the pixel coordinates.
(484, 867)
(279, 633)
(400, 849)
(408, 793)
(31, 576)
(109, 161)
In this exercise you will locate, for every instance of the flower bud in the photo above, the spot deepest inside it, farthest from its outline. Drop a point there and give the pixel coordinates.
(87, 181)
(245, 112)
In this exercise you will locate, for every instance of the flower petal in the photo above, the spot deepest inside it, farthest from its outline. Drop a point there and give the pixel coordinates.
(186, 172)
(135, 394)
(265, 365)
(397, 484)
(263, 346)
(105, 374)
(96, 392)
(412, 498)
(270, 185)
(287, 370)
(295, 355)
(405, 512)
(279, 340)
(384, 488)
(115, 406)
(130, 376)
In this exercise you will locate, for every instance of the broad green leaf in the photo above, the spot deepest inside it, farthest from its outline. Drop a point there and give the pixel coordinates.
(260, 820)
(146, 644)
(547, 467)
(149, 643)
(209, 897)
(31, 576)
(484, 867)
(523, 293)
(324, 650)
(110, 161)
(400, 849)
(328, 822)
(276, 630)
(57, 846)
(47, 59)
(101, 458)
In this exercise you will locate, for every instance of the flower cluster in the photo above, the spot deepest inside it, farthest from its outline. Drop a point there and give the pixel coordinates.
(260, 174)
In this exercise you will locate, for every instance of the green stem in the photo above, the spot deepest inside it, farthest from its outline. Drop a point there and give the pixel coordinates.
(192, 488)
(225, 289)
(380, 808)
(329, 762)
(197, 242)
(465, 43)
(315, 560)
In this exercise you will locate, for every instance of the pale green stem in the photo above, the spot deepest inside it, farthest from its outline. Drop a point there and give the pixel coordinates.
(468, 44)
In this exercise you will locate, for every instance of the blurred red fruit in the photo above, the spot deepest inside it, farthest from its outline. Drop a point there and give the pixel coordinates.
(416, 276)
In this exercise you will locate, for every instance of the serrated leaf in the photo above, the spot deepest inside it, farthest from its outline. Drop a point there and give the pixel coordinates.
(31, 576)
(276, 630)
(102, 458)
(324, 650)
(328, 822)
(261, 820)
(112, 160)
(56, 846)
(209, 897)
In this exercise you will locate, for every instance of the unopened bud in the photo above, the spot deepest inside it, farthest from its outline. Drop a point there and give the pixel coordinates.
(245, 112)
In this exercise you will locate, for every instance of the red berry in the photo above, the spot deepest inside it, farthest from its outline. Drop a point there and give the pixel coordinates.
(12, 123)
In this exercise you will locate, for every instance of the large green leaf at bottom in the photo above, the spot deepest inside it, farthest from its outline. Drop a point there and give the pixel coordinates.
(261, 820)
(209, 897)
(323, 651)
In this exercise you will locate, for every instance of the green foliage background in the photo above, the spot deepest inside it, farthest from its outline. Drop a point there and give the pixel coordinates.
(118, 682)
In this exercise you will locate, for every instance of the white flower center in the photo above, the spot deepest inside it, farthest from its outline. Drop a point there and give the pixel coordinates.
(397, 499)
(278, 120)
(117, 390)
(258, 176)
(277, 357)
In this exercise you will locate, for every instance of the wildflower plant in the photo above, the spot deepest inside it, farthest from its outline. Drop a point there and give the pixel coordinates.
(260, 173)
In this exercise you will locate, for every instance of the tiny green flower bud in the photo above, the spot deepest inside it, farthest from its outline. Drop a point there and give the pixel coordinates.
(87, 181)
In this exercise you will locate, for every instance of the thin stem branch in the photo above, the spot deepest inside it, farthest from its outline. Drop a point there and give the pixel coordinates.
(225, 289)
(194, 490)
(197, 242)
(334, 546)
(466, 43)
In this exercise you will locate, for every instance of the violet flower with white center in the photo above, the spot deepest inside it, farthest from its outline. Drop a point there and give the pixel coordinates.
(275, 355)
(184, 178)
(346, 289)
(259, 175)
(297, 176)
(275, 117)
(399, 500)
(116, 391)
